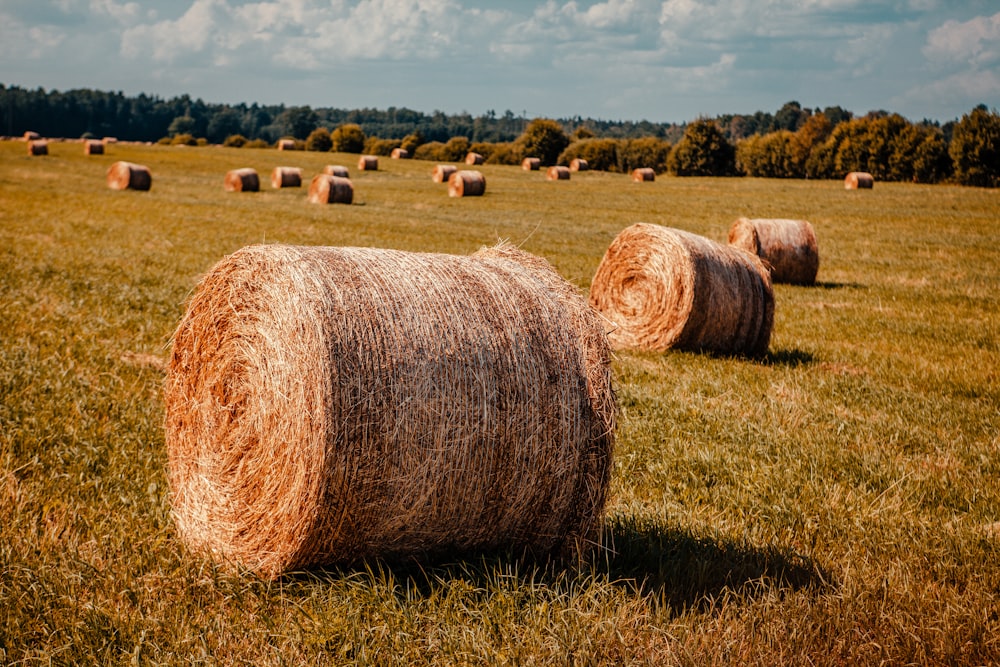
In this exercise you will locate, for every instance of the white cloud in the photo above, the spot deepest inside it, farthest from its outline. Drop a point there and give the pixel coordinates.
(976, 41)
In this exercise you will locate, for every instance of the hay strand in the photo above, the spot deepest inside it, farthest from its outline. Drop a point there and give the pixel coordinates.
(242, 180)
(368, 163)
(327, 405)
(327, 189)
(788, 247)
(531, 164)
(286, 177)
(466, 183)
(474, 158)
(643, 175)
(578, 164)
(557, 173)
(858, 180)
(93, 147)
(129, 176)
(442, 173)
(664, 288)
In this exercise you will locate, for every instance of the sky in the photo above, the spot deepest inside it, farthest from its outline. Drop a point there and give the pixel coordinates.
(656, 60)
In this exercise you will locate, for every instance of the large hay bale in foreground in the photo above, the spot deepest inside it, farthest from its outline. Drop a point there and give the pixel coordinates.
(368, 163)
(788, 247)
(443, 172)
(336, 170)
(327, 189)
(326, 405)
(531, 164)
(474, 158)
(643, 174)
(557, 173)
(578, 164)
(466, 183)
(242, 180)
(38, 147)
(664, 288)
(856, 180)
(286, 177)
(129, 176)
(93, 147)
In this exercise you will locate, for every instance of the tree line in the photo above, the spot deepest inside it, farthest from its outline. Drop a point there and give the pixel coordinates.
(794, 142)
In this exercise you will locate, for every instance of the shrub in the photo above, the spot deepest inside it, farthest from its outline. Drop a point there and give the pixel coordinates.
(431, 151)
(348, 138)
(455, 149)
(649, 152)
(376, 146)
(769, 156)
(975, 148)
(702, 151)
(235, 141)
(412, 141)
(257, 143)
(319, 140)
(545, 139)
(183, 140)
(506, 153)
(600, 154)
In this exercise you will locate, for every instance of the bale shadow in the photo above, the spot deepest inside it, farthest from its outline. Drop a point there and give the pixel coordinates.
(828, 285)
(788, 358)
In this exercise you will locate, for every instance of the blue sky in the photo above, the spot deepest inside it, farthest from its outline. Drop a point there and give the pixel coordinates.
(658, 60)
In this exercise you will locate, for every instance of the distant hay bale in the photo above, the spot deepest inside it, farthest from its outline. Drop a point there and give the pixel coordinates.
(93, 147)
(643, 174)
(242, 180)
(286, 144)
(336, 170)
(443, 172)
(663, 289)
(858, 180)
(129, 176)
(400, 154)
(327, 189)
(474, 158)
(38, 147)
(31, 136)
(329, 405)
(466, 183)
(286, 177)
(578, 164)
(368, 163)
(531, 164)
(109, 140)
(788, 247)
(557, 173)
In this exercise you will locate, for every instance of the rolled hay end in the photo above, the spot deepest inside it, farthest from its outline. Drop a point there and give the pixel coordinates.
(336, 170)
(329, 405)
(578, 164)
(787, 247)
(531, 164)
(368, 163)
(38, 147)
(557, 173)
(859, 180)
(242, 180)
(443, 172)
(129, 176)
(643, 175)
(466, 183)
(400, 154)
(664, 288)
(93, 147)
(327, 189)
(286, 144)
(474, 158)
(286, 177)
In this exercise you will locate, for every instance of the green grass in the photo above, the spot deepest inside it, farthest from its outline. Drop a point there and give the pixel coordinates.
(837, 503)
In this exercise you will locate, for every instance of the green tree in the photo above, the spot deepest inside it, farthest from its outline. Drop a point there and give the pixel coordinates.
(235, 141)
(319, 140)
(975, 148)
(222, 124)
(412, 141)
(600, 154)
(455, 149)
(702, 151)
(297, 121)
(348, 138)
(181, 125)
(545, 139)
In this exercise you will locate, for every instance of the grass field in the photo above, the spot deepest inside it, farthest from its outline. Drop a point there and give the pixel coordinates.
(836, 503)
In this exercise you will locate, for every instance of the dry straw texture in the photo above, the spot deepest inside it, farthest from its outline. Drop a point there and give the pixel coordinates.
(531, 164)
(443, 172)
(858, 180)
(578, 164)
(788, 247)
(336, 170)
(466, 183)
(368, 163)
(400, 154)
(286, 177)
(286, 145)
(474, 158)
(129, 176)
(327, 189)
(643, 174)
(664, 288)
(557, 173)
(93, 147)
(38, 147)
(326, 405)
(242, 180)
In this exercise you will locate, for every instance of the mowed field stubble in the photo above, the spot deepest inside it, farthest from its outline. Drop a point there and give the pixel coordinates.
(836, 502)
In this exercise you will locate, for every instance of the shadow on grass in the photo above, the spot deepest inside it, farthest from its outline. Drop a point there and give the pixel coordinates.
(789, 358)
(820, 284)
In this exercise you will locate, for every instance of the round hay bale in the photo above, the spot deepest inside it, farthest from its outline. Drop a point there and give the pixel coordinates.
(327, 189)
(38, 147)
(286, 144)
(466, 183)
(129, 176)
(578, 164)
(858, 180)
(643, 174)
(336, 170)
(31, 136)
(242, 180)
(664, 288)
(93, 147)
(286, 177)
(557, 173)
(368, 163)
(443, 172)
(531, 164)
(474, 158)
(328, 405)
(400, 154)
(788, 247)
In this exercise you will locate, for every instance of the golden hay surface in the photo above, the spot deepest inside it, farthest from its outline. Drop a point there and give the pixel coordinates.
(286, 177)
(242, 180)
(474, 158)
(368, 163)
(578, 164)
(788, 247)
(93, 147)
(531, 164)
(336, 170)
(858, 180)
(327, 189)
(38, 147)
(557, 173)
(643, 174)
(663, 288)
(124, 175)
(400, 154)
(327, 405)
(443, 172)
(466, 183)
